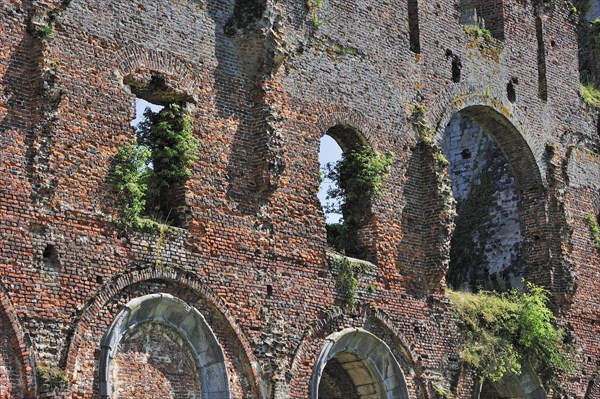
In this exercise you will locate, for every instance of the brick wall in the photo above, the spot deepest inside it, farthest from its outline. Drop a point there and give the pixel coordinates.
(262, 90)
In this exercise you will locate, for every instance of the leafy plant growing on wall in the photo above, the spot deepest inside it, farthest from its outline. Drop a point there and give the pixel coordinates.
(503, 332)
(346, 279)
(359, 176)
(146, 172)
(54, 377)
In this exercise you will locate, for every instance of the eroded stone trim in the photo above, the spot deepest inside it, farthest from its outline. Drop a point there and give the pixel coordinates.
(189, 324)
(373, 351)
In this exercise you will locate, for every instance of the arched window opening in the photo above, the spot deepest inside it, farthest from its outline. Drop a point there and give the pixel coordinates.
(330, 153)
(350, 184)
(150, 174)
(485, 14)
(485, 250)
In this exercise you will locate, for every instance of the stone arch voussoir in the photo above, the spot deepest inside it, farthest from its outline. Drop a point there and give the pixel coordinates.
(322, 328)
(188, 323)
(120, 282)
(375, 354)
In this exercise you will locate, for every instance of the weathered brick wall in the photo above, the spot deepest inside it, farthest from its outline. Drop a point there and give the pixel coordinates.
(251, 254)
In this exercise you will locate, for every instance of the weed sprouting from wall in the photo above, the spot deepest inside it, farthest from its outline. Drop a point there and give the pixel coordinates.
(594, 230)
(346, 279)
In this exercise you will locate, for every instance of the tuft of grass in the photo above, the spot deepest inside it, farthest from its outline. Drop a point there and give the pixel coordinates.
(591, 94)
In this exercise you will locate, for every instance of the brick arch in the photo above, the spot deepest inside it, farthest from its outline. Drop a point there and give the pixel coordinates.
(322, 327)
(136, 58)
(490, 108)
(19, 343)
(523, 152)
(336, 116)
(120, 282)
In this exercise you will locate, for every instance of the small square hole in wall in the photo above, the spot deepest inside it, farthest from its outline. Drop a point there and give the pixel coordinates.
(99, 279)
(269, 291)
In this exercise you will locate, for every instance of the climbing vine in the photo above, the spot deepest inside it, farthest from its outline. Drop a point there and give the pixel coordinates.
(359, 176)
(503, 332)
(313, 7)
(594, 230)
(145, 173)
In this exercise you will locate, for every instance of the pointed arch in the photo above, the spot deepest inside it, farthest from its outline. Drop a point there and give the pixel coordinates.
(15, 350)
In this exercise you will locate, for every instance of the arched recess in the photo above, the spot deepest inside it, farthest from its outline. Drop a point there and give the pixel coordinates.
(355, 363)
(101, 312)
(527, 385)
(495, 177)
(17, 364)
(189, 325)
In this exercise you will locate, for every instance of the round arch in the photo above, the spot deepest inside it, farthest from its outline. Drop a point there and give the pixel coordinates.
(512, 142)
(346, 119)
(368, 361)
(187, 322)
(524, 155)
(490, 108)
(526, 385)
(170, 275)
